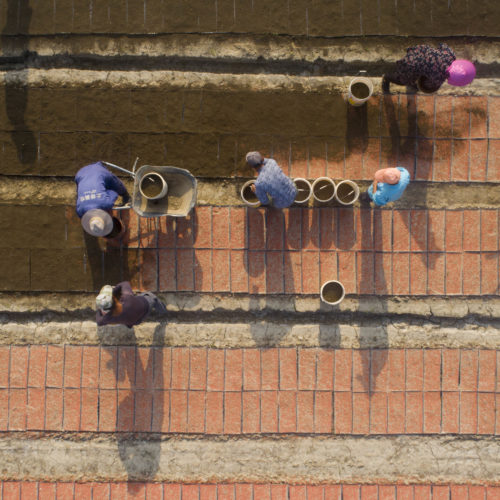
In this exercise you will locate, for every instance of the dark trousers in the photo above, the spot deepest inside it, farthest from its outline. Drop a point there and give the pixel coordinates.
(154, 302)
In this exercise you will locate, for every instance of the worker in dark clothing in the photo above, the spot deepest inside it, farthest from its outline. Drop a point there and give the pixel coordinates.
(427, 68)
(120, 306)
(97, 190)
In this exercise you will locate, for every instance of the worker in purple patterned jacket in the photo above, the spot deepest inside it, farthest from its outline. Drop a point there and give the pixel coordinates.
(427, 68)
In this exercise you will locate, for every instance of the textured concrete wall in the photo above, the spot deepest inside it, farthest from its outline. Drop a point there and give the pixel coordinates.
(294, 17)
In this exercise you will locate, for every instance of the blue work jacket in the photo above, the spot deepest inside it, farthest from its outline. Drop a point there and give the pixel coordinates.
(97, 187)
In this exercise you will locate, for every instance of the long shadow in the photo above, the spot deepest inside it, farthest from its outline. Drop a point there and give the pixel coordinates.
(412, 153)
(19, 15)
(373, 280)
(266, 264)
(356, 129)
(141, 410)
(141, 460)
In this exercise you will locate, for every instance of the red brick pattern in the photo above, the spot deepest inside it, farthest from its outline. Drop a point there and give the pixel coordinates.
(246, 391)
(372, 251)
(242, 491)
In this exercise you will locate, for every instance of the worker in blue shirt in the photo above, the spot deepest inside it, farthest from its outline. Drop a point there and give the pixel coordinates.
(97, 190)
(388, 185)
(271, 182)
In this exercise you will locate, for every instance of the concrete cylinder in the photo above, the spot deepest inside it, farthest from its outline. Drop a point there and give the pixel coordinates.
(248, 196)
(360, 90)
(118, 230)
(332, 292)
(347, 192)
(153, 186)
(323, 189)
(304, 190)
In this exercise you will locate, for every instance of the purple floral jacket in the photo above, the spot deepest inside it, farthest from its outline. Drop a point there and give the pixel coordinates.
(427, 62)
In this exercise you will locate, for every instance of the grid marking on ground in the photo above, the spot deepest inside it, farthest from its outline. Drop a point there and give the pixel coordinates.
(242, 491)
(247, 391)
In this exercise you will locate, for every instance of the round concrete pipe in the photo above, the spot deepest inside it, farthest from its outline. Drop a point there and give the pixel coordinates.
(248, 196)
(153, 186)
(347, 192)
(360, 90)
(323, 189)
(304, 190)
(332, 292)
(118, 230)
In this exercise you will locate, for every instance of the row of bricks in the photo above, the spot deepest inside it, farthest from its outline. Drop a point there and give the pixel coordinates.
(249, 369)
(438, 160)
(236, 391)
(323, 228)
(212, 112)
(417, 239)
(249, 412)
(304, 272)
(249, 271)
(420, 251)
(241, 491)
(298, 18)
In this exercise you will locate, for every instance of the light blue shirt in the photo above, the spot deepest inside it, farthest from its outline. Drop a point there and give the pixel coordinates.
(273, 182)
(389, 192)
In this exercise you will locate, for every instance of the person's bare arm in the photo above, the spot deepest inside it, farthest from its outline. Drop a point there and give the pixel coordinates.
(374, 186)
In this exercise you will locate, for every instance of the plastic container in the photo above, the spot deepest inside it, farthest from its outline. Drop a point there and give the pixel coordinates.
(323, 189)
(153, 186)
(304, 191)
(248, 196)
(360, 90)
(332, 292)
(347, 192)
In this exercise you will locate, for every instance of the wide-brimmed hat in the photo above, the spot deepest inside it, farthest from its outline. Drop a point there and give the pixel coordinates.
(97, 222)
(462, 72)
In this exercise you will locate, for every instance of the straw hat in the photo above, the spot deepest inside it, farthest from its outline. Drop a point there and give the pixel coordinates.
(97, 222)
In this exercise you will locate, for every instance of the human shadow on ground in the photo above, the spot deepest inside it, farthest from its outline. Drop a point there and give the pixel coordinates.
(108, 265)
(372, 338)
(356, 135)
(373, 281)
(19, 15)
(140, 382)
(416, 156)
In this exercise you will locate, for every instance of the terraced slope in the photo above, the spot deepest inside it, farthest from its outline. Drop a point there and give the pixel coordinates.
(249, 387)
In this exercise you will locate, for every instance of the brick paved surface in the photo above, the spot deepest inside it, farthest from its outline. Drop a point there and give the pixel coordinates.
(307, 391)
(234, 249)
(241, 491)
(246, 391)
(438, 138)
(298, 17)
